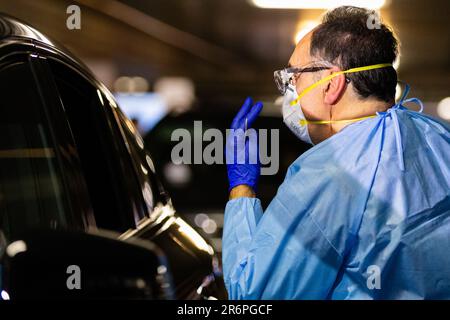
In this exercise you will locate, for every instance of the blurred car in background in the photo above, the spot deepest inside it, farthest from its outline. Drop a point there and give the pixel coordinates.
(200, 191)
(78, 187)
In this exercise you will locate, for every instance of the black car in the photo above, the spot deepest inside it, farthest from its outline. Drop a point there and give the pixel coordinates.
(78, 188)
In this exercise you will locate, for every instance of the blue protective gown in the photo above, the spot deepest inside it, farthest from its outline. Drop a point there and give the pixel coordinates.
(364, 214)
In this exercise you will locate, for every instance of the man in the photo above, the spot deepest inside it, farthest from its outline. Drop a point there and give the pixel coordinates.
(365, 213)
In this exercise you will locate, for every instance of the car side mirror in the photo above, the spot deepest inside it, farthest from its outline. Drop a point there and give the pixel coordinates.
(50, 264)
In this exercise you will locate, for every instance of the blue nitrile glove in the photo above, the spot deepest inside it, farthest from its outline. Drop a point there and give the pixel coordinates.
(242, 158)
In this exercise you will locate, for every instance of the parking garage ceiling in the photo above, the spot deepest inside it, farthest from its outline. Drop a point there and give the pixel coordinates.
(229, 48)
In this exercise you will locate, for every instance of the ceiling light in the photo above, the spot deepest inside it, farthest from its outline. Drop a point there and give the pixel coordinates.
(443, 109)
(131, 85)
(304, 28)
(396, 63)
(178, 92)
(398, 92)
(317, 4)
(209, 226)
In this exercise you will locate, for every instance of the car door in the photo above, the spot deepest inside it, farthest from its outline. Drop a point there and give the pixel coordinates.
(112, 187)
(36, 160)
(125, 194)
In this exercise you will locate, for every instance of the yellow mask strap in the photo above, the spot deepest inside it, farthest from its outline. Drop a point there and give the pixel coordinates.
(304, 122)
(331, 76)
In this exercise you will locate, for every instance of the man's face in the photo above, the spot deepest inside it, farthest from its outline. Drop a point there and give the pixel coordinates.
(312, 103)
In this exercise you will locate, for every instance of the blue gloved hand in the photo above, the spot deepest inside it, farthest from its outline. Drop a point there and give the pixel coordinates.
(242, 154)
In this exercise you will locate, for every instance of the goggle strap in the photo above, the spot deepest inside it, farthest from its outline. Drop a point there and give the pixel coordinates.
(331, 76)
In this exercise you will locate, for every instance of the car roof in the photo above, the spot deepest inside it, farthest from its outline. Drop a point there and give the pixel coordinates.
(12, 27)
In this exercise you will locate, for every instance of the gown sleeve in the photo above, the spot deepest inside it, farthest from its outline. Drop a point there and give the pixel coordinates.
(282, 253)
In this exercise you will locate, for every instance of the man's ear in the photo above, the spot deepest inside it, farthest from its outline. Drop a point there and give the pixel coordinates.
(336, 88)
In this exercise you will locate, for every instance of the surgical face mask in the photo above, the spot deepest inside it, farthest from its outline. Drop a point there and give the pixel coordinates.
(293, 115)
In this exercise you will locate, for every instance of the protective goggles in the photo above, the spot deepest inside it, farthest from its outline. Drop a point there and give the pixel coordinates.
(285, 77)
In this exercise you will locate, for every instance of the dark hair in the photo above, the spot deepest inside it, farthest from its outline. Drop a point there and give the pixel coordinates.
(345, 37)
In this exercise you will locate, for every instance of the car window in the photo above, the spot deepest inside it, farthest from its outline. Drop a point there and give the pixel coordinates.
(31, 192)
(152, 190)
(102, 151)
